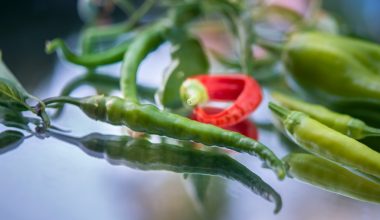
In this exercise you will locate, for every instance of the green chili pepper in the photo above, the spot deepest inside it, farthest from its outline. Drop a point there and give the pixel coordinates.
(102, 82)
(334, 68)
(109, 56)
(332, 177)
(141, 154)
(366, 111)
(148, 118)
(345, 124)
(188, 59)
(105, 82)
(326, 142)
(145, 42)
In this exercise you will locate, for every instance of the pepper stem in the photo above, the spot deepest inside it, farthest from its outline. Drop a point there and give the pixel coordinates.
(279, 110)
(371, 131)
(62, 99)
(193, 93)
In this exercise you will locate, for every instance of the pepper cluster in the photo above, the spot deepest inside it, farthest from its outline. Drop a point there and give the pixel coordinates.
(334, 71)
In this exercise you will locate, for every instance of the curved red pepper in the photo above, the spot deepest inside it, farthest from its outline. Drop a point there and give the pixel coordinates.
(242, 89)
(245, 127)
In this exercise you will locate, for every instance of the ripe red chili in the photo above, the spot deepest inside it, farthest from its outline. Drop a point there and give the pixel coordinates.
(245, 127)
(243, 90)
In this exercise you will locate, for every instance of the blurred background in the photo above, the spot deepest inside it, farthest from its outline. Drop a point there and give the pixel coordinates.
(48, 179)
(26, 26)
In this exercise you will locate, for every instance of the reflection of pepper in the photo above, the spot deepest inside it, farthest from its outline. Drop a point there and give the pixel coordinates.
(242, 89)
(144, 155)
(333, 68)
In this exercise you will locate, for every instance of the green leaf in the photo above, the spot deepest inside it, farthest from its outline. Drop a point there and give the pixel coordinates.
(11, 91)
(14, 96)
(10, 139)
(188, 59)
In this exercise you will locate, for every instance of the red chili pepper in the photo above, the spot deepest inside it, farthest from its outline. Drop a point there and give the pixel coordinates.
(242, 89)
(245, 127)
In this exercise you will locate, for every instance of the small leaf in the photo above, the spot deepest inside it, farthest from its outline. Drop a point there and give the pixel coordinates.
(10, 139)
(188, 59)
(11, 91)
(13, 94)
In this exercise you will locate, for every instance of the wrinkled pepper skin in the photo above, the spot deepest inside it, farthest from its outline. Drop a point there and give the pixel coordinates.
(333, 68)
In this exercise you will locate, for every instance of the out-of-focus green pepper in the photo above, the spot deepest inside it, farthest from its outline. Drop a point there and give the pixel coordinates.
(342, 123)
(334, 68)
(332, 177)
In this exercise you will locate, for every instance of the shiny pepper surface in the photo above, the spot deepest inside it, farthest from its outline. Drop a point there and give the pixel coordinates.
(149, 119)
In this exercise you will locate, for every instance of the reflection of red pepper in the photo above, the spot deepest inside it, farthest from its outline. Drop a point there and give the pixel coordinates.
(245, 127)
(243, 90)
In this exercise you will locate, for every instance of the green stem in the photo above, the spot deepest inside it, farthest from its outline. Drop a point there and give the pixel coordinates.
(68, 89)
(193, 93)
(270, 46)
(246, 43)
(62, 99)
(95, 33)
(371, 131)
(279, 110)
(241, 27)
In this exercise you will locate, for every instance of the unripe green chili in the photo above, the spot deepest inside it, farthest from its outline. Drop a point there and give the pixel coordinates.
(149, 119)
(343, 123)
(334, 68)
(145, 42)
(332, 177)
(102, 82)
(109, 56)
(326, 142)
(144, 155)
